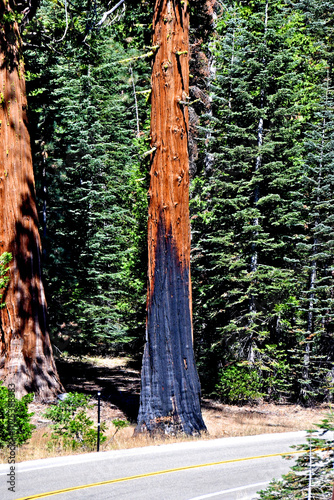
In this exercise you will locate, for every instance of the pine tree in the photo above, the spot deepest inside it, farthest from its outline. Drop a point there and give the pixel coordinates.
(250, 271)
(312, 474)
(318, 296)
(89, 156)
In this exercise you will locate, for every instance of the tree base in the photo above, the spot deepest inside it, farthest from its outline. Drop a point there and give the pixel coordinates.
(168, 426)
(26, 377)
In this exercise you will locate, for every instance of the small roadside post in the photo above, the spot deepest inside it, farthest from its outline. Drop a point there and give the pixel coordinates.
(98, 419)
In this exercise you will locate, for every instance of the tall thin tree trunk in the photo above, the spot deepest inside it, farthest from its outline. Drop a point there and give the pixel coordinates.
(313, 273)
(170, 389)
(258, 162)
(212, 71)
(136, 102)
(232, 63)
(26, 358)
(254, 257)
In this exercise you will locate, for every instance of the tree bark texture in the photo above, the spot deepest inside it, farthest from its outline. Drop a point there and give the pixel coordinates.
(170, 392)
(26, 358)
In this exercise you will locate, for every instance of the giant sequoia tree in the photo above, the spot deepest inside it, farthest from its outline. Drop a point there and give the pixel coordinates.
(170, 392)
(26, 358)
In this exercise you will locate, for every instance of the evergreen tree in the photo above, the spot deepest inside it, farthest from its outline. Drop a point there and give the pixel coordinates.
(312, 474)
(88, 113)
(317, 301)
(248, 221)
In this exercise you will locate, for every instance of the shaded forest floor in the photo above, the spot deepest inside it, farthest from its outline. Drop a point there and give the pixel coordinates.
(118, 379)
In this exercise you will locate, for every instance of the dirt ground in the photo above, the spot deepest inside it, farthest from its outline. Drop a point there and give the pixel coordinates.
(118, 380)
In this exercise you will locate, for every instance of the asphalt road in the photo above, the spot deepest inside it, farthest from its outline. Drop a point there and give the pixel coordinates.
(220, 469)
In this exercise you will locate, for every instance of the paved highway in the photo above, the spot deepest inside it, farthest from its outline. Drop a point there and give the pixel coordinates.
(220, 469)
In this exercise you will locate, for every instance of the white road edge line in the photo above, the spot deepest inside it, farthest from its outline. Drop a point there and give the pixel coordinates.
(232, 490)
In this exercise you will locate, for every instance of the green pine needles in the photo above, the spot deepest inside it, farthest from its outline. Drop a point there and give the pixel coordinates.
(263, 212)
(94, 129)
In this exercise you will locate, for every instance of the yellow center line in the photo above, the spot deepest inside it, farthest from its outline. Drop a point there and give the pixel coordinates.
(157, 473)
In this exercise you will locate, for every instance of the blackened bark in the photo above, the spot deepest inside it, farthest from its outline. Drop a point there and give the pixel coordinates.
(170, 393)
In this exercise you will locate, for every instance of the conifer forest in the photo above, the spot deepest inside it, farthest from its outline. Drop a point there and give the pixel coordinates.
(180, 183)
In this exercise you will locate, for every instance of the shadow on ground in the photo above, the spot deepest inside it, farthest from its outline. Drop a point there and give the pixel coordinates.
(119, 386)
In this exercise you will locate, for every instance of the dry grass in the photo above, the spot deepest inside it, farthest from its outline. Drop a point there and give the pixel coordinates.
(120, 362)
(263, 419)
(221, 421)
(39, 446)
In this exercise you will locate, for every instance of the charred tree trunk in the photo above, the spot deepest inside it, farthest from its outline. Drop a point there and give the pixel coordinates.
(170, 391)
(26, 358)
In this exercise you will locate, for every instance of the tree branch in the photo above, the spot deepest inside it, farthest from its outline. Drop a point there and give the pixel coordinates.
(66, 28)
(27, 8)
(106, 14)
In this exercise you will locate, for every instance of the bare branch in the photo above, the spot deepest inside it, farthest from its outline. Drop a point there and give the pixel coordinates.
(66, 28)
(106, 14)
(28, 9)
(136, 103)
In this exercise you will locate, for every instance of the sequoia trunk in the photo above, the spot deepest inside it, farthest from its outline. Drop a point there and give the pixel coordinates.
(170, 392)
(26, 358)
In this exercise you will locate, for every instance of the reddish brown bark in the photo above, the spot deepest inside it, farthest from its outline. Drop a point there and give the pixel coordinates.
(169, 188)
(26, 358)
(170, 394)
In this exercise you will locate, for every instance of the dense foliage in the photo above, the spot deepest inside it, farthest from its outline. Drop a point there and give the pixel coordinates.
(15, 426)
(87, 103)
(261, 197)
(258, 270)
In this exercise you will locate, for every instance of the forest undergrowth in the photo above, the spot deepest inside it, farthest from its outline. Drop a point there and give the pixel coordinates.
(118, 380)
